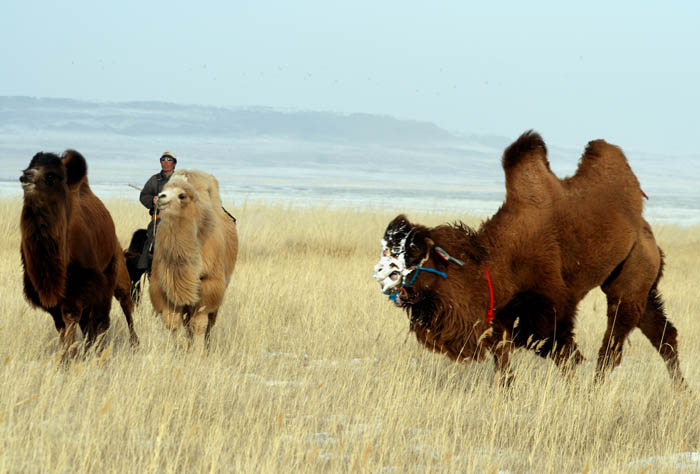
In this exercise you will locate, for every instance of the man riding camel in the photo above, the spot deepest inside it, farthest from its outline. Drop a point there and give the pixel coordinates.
(149, 196)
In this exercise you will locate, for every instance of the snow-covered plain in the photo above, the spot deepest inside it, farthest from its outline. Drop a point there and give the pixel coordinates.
(297, 172)
(679, 462)
(303, 158)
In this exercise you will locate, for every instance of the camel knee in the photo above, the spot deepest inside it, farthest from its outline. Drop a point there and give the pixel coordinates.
(198, 323)
(67, 333)
(609, 357)
(67, 336)
(568, 358)
(172, 320)
(95, 330)
(212, 293)
(501, 346)
(504, 374)
(622, 320)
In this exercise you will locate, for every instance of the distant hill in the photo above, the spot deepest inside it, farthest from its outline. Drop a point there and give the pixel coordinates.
(18, 114)
(303, 156)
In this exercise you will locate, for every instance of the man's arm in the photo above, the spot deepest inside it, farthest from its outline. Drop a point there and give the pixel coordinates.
(147, 193)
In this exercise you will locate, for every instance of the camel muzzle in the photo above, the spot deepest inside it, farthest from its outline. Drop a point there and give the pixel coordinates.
(162, 201)
(27, 180)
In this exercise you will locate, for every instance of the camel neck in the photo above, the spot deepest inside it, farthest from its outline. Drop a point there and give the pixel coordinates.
(44, 230)
(497, 287)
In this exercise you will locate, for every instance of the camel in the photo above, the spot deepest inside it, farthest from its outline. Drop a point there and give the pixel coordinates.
(517, 280)
(132, 255)
(196, 246)
(73, 262)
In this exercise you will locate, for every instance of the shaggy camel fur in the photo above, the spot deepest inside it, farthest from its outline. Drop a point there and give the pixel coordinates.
(73, 263)
(518, 279)
(195, 253)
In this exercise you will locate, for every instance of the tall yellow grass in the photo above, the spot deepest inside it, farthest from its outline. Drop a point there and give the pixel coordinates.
(311, 369)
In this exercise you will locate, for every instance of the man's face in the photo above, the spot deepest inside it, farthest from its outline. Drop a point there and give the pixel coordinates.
(167, 164)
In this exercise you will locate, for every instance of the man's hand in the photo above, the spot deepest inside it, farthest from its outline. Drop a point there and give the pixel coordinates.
(155, 198)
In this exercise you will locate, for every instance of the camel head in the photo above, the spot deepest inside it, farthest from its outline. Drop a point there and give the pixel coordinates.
(406, 248)
(49, 177)
(182, 201)
(415, 265)
(177, 198)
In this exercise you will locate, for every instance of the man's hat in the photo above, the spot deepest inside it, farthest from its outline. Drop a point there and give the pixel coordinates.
(169, 154)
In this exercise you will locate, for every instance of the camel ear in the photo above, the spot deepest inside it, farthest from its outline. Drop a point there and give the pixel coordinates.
(429, 245)
(76, 167)
(398, 224)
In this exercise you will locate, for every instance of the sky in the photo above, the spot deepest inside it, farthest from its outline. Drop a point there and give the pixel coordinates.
(628, 72)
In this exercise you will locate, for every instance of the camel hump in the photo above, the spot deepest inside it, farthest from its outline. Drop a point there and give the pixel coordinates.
(607, 162)
(529, 179)
(604, 153)
(529, 146)
(600, 147)
(76, 166)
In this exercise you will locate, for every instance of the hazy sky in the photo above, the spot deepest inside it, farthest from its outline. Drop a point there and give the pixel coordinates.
(625, 71)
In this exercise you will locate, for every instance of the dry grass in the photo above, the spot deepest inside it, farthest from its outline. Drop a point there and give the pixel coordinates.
(313, 370)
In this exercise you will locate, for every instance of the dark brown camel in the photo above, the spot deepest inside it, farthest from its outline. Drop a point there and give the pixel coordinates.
(73, 263)
(518, 280)
(132, 256)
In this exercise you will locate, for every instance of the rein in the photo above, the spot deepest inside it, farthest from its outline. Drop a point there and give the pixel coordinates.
(442, 253)
(154, 219)
(489, 313)
(425, 269)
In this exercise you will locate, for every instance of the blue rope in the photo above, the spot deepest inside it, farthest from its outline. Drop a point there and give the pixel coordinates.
(393, 296)
(429, 270)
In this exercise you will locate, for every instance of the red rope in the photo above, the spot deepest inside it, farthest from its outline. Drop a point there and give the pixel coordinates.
(489, 314)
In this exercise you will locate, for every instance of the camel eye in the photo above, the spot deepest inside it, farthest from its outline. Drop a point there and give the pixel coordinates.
(50, 178)
(182, 196)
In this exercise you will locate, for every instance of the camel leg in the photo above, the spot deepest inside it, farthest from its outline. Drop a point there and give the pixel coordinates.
(623, 317)
(123, 295)
(212, 291)
(501, 345)
(568, 357)
(98, 323)
(662, 335)
(135, 292)
(172, 319)
(127, 305)
(546, 327)
(71, 320)
(628, 290)
(212, 320)
(198, 327)
(122, 292)
(55, 313)
(565, 351)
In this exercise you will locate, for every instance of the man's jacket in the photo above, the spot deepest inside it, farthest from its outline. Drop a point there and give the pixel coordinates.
(153, 187)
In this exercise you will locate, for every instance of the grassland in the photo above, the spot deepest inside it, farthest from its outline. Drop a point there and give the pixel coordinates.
(312, 370)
